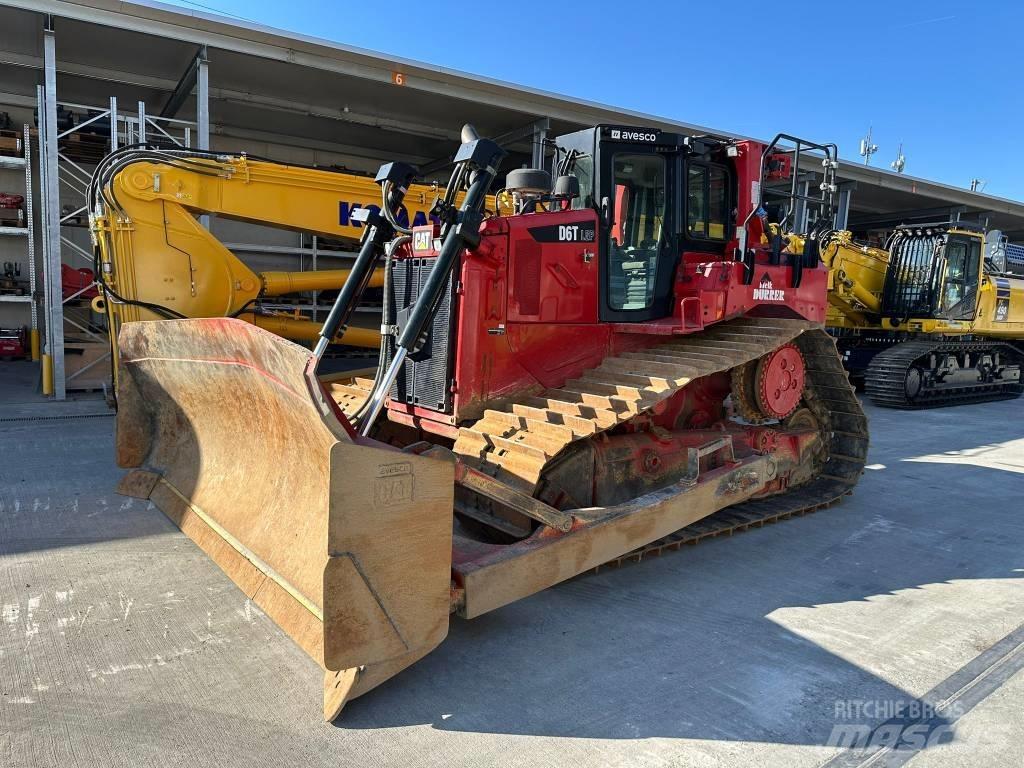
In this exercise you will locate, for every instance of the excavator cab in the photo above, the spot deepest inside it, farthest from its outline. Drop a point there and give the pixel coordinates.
(959, 297)
(934, 272)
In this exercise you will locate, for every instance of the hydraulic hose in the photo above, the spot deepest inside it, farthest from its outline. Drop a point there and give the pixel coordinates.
(394, 179)
(479, 158)
(385, 320)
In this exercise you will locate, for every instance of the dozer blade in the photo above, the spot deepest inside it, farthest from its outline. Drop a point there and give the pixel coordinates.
(346, 544)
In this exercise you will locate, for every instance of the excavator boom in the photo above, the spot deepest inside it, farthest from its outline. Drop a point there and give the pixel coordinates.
(156, 260)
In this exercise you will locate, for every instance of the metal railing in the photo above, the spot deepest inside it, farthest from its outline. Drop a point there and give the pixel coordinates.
(79, 145)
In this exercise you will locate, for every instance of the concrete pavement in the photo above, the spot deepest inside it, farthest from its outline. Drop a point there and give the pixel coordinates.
(122, 644)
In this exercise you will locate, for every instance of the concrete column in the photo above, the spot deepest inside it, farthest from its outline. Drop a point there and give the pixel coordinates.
(203, 109)
(141, 138)
(843, 207)
(540, 133)
(51, 213)
(203, 100)
(113, 123)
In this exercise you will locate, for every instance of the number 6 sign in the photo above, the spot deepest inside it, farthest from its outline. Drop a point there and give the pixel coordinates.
(398, 78)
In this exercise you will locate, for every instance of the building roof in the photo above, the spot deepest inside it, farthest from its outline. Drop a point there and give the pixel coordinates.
(267, 82)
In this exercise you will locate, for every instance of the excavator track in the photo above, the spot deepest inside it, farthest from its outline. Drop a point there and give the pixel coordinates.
(516, 444)
(885, 380)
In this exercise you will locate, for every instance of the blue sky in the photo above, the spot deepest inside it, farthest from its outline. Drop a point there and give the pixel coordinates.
(943, 77)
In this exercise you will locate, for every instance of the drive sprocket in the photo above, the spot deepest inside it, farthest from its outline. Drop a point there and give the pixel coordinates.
(744, 383)
(779, 381)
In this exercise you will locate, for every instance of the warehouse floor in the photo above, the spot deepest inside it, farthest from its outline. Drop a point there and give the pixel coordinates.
(122, 645)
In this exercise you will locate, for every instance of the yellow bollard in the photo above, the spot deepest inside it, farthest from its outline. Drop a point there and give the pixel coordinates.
(33, 343)
(47, 375)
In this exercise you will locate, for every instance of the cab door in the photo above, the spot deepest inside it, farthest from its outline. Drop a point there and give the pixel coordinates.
(637, 248)
(958, 298)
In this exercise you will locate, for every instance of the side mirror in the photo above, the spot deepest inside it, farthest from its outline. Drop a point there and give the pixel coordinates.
(606, 211)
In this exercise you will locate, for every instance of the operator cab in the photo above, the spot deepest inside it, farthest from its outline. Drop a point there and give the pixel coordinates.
(934, 272)
(656, 195)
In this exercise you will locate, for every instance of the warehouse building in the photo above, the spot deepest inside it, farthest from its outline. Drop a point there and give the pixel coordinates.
(103, 74)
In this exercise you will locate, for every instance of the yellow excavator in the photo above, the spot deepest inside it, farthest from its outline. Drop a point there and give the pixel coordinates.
(156, 260)
(933, 319)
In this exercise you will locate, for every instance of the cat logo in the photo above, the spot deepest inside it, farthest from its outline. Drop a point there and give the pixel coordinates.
(766, 292)
(422, 239)
(393, 484)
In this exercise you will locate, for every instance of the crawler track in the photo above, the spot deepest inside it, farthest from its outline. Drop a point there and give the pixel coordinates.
(831, 398)
(885, 379)
(516, 444)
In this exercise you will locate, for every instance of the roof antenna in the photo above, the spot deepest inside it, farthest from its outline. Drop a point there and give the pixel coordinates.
(867, 149)
(900, 162)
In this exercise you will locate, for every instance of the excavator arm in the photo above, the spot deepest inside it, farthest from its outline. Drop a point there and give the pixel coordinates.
(856, 278)
(155, 259)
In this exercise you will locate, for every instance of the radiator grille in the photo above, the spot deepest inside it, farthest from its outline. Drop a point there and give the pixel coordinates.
(1015, 258)
(425, 379)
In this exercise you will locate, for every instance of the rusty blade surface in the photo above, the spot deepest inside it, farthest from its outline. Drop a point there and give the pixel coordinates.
(346, 545)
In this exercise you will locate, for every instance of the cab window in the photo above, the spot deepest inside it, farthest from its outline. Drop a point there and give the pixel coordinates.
(583, 169)
(635, 237)
(707, 202)
(959, 293)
